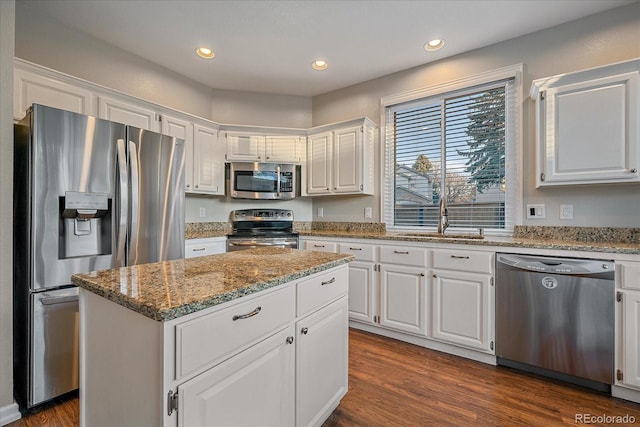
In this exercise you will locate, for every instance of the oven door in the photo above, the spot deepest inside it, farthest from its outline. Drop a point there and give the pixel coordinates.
(238, 244)
(267, 181)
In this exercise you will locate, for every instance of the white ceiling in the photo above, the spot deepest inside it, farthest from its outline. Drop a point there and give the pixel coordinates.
(268, 46)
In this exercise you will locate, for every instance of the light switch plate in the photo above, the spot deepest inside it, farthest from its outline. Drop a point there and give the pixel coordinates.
(536, 211)
(320, 212)
(368, 213)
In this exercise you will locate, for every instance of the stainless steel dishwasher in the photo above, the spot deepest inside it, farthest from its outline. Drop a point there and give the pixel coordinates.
(555, 317)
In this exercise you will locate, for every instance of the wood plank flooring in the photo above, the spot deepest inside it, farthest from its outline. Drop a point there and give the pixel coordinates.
(392, 383)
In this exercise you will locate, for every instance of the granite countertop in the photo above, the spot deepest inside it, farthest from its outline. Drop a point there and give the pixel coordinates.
(167, 290)
(536, 242)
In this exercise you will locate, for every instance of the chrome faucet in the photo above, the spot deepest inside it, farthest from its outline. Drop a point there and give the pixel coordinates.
(443, 221)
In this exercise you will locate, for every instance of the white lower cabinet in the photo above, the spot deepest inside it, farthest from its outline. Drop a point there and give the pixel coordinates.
(460, 309)
(322, 353)
(631, 339)
(403, 298)
(462, 300)
(362, 291)
(628, 338)
(254, 388)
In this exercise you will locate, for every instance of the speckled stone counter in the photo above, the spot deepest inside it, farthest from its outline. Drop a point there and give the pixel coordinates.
(545, 241)
(170, 289)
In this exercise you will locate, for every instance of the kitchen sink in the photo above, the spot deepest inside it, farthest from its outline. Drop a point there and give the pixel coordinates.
(480, 235)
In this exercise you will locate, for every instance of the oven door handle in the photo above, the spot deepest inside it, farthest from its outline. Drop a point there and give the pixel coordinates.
(261, 243)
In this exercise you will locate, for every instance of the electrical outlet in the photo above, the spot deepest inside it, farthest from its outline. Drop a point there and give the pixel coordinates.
(320, 212)
(368, 213)
(566, 211)
(203, 213)
(536, 211)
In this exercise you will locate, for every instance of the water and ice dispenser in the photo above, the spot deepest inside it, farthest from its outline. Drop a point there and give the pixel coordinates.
(85, 224)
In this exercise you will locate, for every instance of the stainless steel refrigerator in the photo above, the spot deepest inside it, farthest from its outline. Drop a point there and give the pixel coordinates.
(89, 194)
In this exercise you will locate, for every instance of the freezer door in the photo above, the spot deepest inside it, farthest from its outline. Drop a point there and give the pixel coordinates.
(54, 344)
(157, 198)
(55, 153)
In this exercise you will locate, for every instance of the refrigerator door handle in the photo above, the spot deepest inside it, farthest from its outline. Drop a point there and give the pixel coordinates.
(135, 205)
(123, 187)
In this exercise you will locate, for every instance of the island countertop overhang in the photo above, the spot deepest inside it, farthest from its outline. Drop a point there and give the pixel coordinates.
(170, 289)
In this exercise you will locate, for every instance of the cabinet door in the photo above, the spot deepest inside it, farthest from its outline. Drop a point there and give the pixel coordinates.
(403, 298)
(245, 147)
(255, 387)
(319, 152)
(589, 131)
(208, 164)
(347, 155)
(182, 129)
(31, 88)
(125, 112)
(631, 337)
(282, 149)
(361, 291)
(322, 349)
(460, 309)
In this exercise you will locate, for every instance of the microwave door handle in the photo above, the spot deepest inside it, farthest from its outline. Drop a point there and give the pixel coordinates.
(278, 188)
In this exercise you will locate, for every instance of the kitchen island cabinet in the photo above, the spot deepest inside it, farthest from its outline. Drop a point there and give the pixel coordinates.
(216, 340)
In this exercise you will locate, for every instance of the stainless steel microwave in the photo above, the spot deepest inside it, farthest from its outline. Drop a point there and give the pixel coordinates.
(263, 181)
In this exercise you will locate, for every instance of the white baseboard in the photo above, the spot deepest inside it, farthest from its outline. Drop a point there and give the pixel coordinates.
(9, 414)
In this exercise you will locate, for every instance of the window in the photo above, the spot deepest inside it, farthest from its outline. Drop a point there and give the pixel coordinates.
(459, 144)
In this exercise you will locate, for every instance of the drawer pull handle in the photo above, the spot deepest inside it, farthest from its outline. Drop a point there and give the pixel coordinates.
(318, 246)
(401, 252)
(246, 316)
(355, 249)
(459, 257)
(328, 282)
(197, 249)
(304, 331)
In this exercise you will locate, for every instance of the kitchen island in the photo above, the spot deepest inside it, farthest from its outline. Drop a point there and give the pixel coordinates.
(255, 337)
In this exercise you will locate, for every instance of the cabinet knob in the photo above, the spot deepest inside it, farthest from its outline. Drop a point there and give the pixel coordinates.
(634, 170)
(435, 276)
(422, 274)
(289, 340)
(188, 185)
(197, 186)
(304, 331)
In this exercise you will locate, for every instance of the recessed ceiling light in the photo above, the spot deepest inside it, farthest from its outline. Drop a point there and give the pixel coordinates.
(205, 52)
(319, 64)
(434, 44)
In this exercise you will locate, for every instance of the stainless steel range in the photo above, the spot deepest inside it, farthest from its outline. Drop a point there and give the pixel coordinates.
(254, 228)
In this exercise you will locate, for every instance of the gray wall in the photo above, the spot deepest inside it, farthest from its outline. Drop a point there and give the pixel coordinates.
(7, 12)
(589, 42)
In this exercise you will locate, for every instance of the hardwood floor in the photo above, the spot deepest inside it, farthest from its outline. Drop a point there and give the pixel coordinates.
(392, 383)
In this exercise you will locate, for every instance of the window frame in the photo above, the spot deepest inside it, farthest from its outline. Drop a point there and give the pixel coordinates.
(513, 160)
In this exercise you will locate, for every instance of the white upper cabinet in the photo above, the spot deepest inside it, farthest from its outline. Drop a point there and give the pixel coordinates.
(340, 158)
(208, 163)
(588, 126)
(36, 87)
(182, 129)
(128, 112)
(260, 147)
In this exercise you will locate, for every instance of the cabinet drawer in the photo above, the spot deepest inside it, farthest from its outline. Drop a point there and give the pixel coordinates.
(403, 255)
(362, 252)
(316, 292)
(210, 339)
(320, 246)
(201, 247)
(630, 275)
(471, 261)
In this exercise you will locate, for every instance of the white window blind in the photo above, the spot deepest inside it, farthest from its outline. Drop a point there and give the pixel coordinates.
(453, 145)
